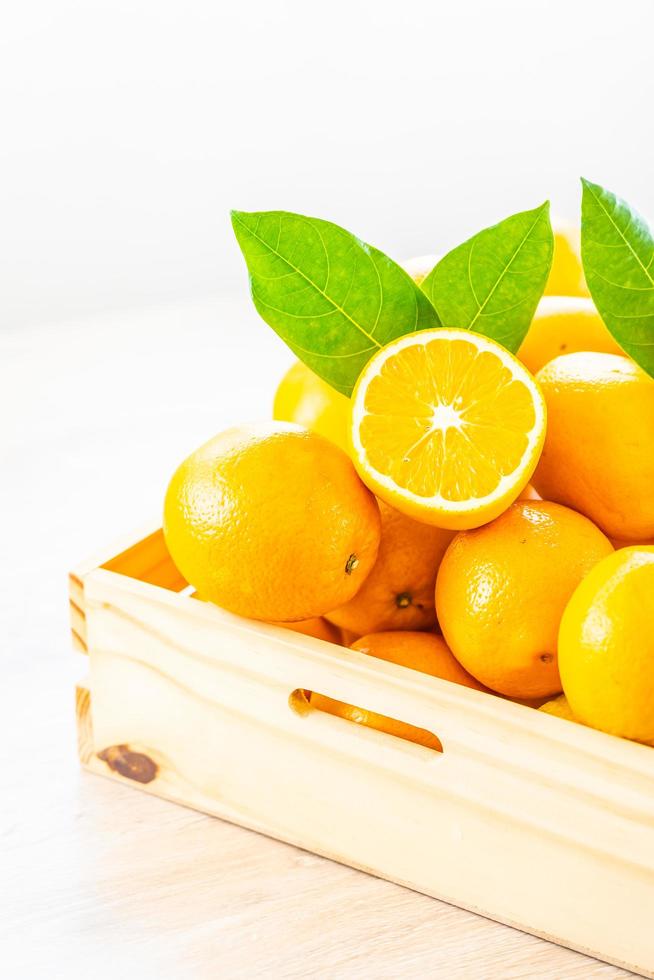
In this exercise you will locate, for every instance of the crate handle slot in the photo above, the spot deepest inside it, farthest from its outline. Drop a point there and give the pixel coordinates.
(305, 702)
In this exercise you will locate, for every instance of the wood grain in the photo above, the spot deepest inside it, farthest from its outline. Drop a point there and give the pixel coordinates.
(196, 705)
(102, 881)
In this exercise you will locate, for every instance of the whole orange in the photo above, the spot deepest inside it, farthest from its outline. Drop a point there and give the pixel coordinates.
(598, 455)
(567, 274)
(558, 707)
(304, 398)
(371, 719)
(606, 646)
(318, 627)
(399, 592)
(271, 521)
(529, 494)
(501, 591)
(425, 652)
(348, 637)
(563, 325)
(618, 544)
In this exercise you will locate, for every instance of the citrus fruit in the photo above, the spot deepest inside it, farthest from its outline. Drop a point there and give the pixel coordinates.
(501, 591)
(420, 651)
(318, 627)
(606, 646)
(271, 521)
(617, 543)
(399, 592)
(563, 325)
(306, 399)
(529, 493)
(558, 707)
(371, 719)
(567, 274)
(447, 427)
(420, 266)
(527, 702)
(599, 451)
(348, 637)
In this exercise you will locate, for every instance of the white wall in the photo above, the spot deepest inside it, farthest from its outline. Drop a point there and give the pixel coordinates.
(128, 128)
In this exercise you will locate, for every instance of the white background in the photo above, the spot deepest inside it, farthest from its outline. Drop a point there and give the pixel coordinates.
(128, 128)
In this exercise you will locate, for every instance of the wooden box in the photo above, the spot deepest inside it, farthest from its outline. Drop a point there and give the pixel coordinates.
(528, 819)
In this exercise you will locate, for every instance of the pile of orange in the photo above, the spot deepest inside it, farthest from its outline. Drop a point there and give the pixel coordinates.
(483, 518)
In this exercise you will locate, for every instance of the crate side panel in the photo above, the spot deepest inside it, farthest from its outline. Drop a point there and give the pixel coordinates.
(148, 561)
(225, 740)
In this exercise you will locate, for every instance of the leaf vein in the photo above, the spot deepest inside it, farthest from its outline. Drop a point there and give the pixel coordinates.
(619, 231)
(336, 306)
(507, 267)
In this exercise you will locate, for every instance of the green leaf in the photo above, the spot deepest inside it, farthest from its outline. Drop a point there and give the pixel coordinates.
(492, 283)
(333, 299)
(617, 251)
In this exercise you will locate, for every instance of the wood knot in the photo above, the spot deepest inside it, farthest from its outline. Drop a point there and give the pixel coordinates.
(131, 765)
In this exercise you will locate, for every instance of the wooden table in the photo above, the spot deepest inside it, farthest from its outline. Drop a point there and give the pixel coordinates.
(105, 881)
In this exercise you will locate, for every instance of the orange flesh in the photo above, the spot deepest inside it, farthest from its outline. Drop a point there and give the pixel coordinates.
(446, 420)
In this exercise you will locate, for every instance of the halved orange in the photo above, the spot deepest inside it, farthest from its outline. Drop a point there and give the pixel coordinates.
(447, 427)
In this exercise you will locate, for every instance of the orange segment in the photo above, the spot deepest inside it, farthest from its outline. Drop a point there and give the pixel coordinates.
(447, 426)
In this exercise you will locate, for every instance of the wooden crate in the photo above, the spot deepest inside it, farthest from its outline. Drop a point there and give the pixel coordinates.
(528, 819)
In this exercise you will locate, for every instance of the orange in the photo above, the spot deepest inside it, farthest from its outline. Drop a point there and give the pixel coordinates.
(371, 719)
(399, 592)
(529, 494)
(599, 451)
(271, 521)
(420, 266)
(527, 702)
(306, 399)
(425, 652)
(563, 325)
(501, 591)
(617, 543)
(567, 275)
(559, 707)
(348, 637)
(447, 427)
(318, 627)
(606, 646)
(420, 651)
